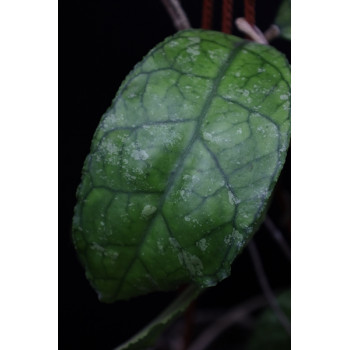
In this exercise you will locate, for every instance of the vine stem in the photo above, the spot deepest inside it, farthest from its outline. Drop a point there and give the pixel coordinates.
(265, 286)
(189, 323)
(234, 315)
(207, 14)
(227, 15)
(277, 235)
(177, 14)
(249, 11)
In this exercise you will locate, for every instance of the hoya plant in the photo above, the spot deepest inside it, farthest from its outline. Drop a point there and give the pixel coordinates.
(181, 169)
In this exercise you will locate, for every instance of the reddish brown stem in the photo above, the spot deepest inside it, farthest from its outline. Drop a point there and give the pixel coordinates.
(249, 11)
(207, 14)
(227, 15)
(189, 321)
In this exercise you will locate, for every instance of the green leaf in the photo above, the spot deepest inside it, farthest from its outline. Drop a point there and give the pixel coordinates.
(269, 333)
(283, 19)
(182, 165)
(147, 336)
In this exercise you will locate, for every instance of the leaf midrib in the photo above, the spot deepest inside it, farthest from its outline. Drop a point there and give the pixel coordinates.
(216, 83)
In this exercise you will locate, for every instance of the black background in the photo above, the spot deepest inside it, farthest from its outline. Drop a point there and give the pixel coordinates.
(99, 43)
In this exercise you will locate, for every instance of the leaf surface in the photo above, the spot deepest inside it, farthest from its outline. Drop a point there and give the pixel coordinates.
(182, 164)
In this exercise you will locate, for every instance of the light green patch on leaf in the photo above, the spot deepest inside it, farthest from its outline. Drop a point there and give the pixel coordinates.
(182, 165)
(283, 19)
(269, 333)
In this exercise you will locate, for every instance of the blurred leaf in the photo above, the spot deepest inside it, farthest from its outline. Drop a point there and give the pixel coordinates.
(283, 19)
(269, 333)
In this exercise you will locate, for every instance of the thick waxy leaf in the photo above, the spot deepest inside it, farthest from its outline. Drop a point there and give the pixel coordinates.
(283, 19)
(182, 164)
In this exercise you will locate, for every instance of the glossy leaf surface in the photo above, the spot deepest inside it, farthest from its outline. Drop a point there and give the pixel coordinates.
(182, 164)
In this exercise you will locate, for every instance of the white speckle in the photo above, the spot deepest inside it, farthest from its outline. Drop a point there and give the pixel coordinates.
(110, 149)
(191, 262)
(173, 43)
(284, 97)
(286, 107)
(148, 210)
(187, 187)
(237, 74)
(202, 244)
(194, 39)
(187, 218)
(239, 131)
(139, 155)
(261, 70)
(262, 194)
(160, 246)
(228, 239)
(182, 193)
(256, 108)
(212, 54)
(174, 243)
(232, 199)
(238, 237)
(234, 237)
(193, 51)
(129, 177)
(211, 138)
(195, 221)
(261, 130)
(97, 247)
(195, 179)
(207, 136)
(103, 251)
